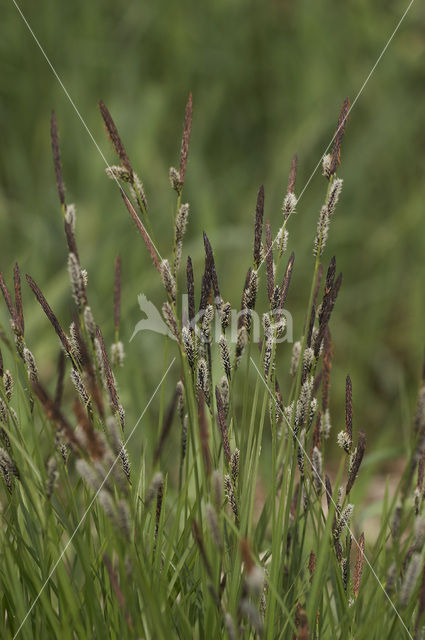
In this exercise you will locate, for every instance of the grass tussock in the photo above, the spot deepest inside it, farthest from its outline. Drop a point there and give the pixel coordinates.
(97, 542)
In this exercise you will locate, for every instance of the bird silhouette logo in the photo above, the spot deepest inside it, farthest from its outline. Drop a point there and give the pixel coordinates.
(153, 321)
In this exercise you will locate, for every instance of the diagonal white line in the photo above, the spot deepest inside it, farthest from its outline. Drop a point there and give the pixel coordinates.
(83, 122)
(92, 501)
(331, 498)
(371, 72)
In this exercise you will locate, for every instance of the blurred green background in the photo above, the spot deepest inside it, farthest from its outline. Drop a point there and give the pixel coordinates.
(268, 78)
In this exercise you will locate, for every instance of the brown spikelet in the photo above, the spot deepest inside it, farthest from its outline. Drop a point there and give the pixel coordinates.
(325, 313)
(141, 229)
(317, 431)
(18, 297)
(330, 278)
(117, 293)
(269, 262)
(158, 509)
(190, 292)
(197, 536)
(221, 414)
(247, 556)
(292, 174)
(342, 122)
(57, 158)
(326, 369)
(54, 414)
(358, 569)
(258, 228)
(316, 384)
(117, 590)
(349, 407)
(49, 313)
(168, 421)
(287, 280)
(328, 491)
(203, 434)
(311, 325)
(61, 376)
(210, 268)
(312, 565)
(1, 365)
(185, 139)
(301, 622)
(114, 137)
(356, 462)
(110, 382)
(205, 290)
(9, 303)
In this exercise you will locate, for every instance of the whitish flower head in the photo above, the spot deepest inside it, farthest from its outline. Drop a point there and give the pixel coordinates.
(71, 216)
(344, 441)
(117, 354)
(289, 204)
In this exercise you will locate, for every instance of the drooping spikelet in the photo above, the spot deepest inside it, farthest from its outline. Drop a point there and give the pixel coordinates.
(168, 279)
(170, 319)
(31, 365)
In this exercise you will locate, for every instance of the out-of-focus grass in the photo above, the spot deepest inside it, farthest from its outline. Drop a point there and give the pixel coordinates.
(268, 79)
